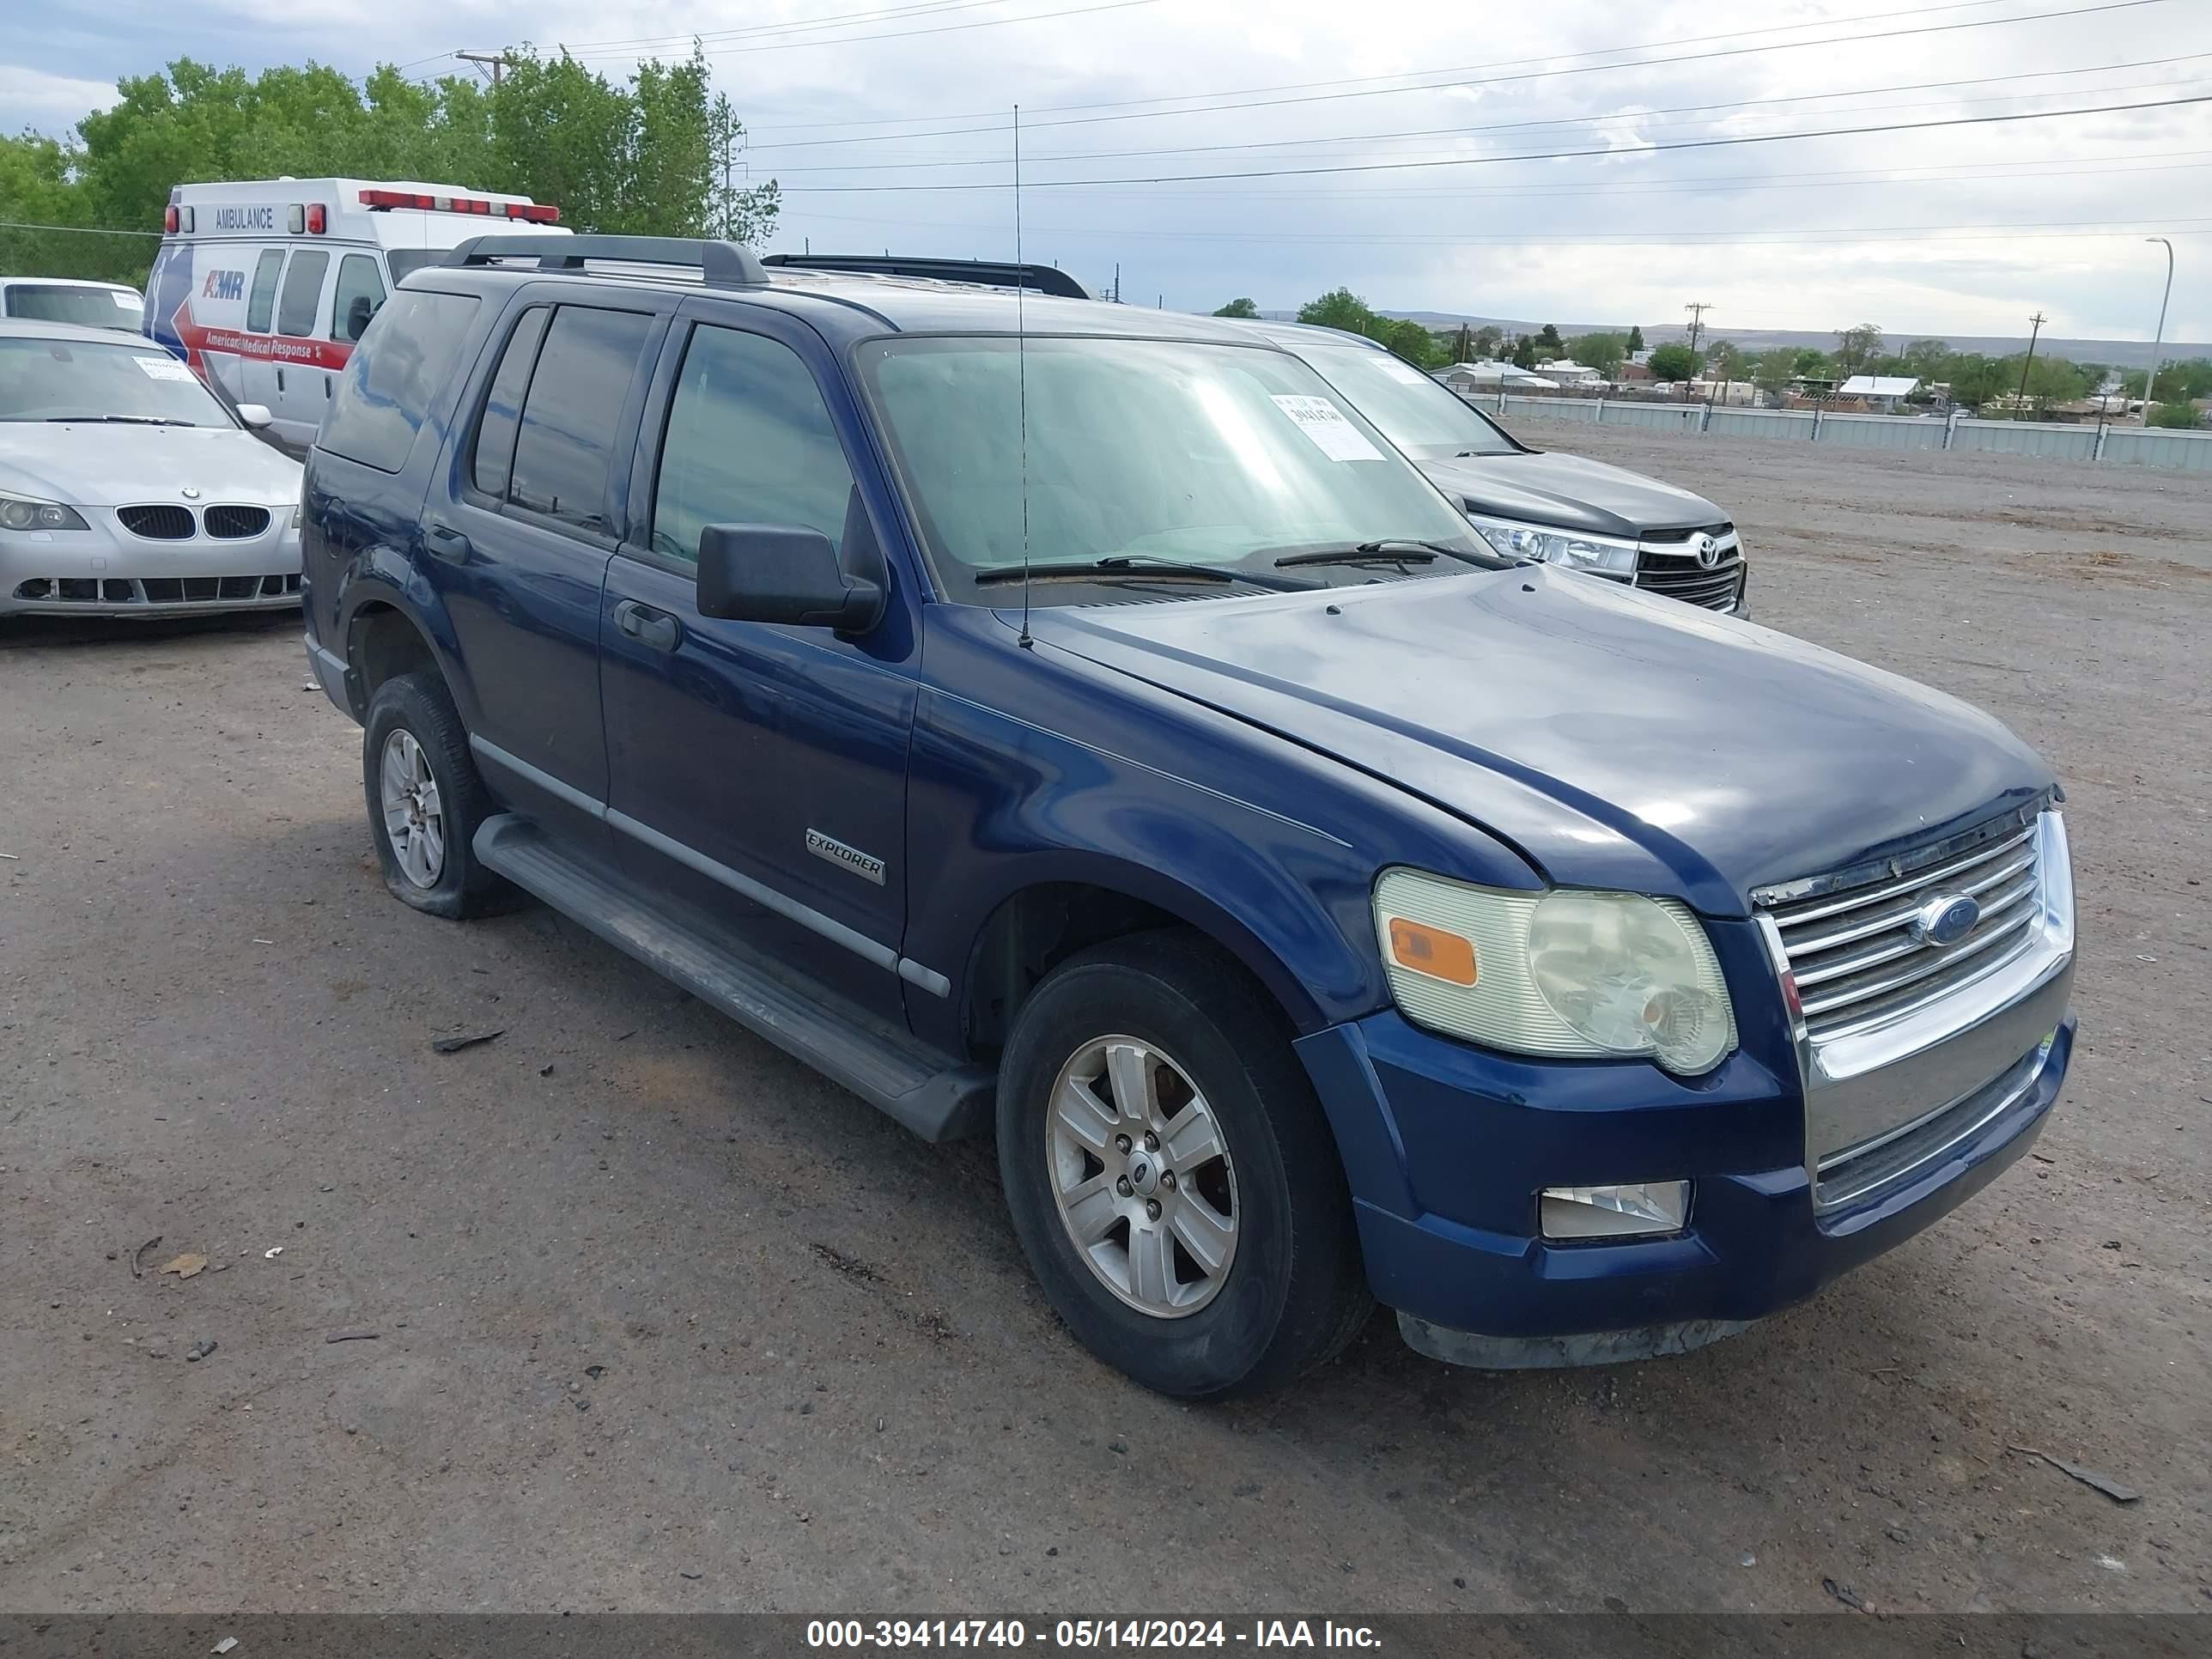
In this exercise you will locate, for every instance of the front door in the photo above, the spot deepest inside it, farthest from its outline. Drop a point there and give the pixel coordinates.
(758, 770)
(516, 535)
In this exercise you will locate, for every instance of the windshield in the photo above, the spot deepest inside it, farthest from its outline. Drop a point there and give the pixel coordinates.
(84, 380)
(1155, 452)
(1427, 420)
(63, 302)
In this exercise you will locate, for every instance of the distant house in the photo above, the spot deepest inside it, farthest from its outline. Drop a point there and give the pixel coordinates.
(1488, 375)
(1635, 369)
(1878, 394)
(1564, 371)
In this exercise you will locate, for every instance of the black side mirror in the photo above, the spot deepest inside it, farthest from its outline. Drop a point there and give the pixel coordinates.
(783, 574)
(357, 316)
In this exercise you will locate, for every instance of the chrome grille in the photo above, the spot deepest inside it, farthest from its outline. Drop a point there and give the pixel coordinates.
(1666, 563)
(1855, 950)
(160, 521)
(158, 590)
(231, 522)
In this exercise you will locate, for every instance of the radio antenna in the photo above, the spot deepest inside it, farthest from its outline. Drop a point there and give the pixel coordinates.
(1022, 376)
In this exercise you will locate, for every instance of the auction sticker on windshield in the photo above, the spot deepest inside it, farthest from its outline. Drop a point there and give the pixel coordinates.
(1398, 371)
(163, 368)
(1324, 422)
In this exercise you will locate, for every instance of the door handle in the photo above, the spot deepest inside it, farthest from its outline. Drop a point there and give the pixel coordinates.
(655, 629)
(280, 379)
(444, 542)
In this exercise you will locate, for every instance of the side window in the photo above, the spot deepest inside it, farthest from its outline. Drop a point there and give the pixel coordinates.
(360, 297)
(264, 302)
(749, 441)
(569, 414)
(386, 390)
(303, 291)
(502, 412)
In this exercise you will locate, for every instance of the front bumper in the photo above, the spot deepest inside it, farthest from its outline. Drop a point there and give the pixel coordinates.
(108, 571)
(1447, 1147)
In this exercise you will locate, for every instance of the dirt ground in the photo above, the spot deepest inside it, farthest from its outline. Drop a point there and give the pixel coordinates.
(665, 1322)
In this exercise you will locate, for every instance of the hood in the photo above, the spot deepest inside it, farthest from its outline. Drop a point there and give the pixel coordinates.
(1615, 739)
(1569, 493)
(87, 463)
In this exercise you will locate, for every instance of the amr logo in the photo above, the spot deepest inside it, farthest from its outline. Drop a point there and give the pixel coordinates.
(223, 285)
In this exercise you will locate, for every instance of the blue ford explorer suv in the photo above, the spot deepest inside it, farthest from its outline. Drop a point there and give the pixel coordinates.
(1079, 725)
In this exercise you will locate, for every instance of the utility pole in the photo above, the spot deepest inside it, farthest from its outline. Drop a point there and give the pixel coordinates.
(496, 62)
(1117, 281)
(2028, 361)
(2151, 380)
(1697, 321)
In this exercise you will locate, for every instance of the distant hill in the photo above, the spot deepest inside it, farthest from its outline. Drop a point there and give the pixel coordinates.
(2127, 354)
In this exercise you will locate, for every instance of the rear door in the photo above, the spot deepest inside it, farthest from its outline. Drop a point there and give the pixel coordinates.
(516, 538)
(757, 770)
(302, 388)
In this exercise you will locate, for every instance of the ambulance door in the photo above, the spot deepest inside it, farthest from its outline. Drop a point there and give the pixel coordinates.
(250, 374)
(298, 350)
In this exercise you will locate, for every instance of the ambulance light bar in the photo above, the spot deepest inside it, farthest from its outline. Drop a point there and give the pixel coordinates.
(536, 213)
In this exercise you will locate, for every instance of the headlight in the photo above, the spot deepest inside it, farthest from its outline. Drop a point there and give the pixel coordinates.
(295, 515)
(1567, 973)
(22, 512)
(1567, 547)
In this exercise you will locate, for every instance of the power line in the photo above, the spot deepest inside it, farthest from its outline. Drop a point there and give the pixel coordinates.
(1483, 81)
(78, 230)
(1776, 236)
(797, 26)
(1485, 132)
(1529, 155)
(1368, 80)
(948, 28)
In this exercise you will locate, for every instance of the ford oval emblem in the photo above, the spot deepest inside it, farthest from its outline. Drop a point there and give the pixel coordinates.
(1946, 919)
(1709, 552)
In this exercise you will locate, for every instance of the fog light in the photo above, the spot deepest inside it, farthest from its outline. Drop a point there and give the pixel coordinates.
(1656, 1206)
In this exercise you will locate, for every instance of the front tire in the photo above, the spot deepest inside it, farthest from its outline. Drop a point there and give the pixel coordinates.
(426, 799)
(1170, 1175)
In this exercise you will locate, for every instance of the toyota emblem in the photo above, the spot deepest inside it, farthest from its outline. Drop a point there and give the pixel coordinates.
(1709, 552)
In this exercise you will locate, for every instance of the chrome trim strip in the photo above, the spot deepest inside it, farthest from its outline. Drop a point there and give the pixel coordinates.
(737, 882)
(1896, 869)
(2010, 1099)
(1805, 945)
(1933, 960)
(1890, 889)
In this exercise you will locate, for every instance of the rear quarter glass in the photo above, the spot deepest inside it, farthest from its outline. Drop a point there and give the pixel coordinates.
(405, 361)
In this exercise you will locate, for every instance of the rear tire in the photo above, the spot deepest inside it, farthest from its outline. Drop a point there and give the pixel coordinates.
(426, 799)
(1219, 1256)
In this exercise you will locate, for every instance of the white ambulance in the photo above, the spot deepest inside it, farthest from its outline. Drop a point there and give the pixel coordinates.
(263, 286)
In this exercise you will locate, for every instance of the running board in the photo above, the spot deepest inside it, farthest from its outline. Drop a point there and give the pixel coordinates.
(883, 1065)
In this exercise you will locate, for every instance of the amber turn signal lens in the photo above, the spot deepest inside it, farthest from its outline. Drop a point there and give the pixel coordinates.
(1432, 951)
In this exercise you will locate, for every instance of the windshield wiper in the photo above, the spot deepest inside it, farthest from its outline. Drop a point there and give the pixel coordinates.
(1138, 567)
(120, 420)
(1395, 550)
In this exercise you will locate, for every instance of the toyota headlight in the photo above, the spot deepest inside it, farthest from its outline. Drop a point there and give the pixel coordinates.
(25, 513)
(1567, 973)
(1566, 547)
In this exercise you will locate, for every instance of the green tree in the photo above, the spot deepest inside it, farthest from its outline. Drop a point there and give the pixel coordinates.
(1635, 339)
(1927, 359)
(1673, 362)
(1411, 341)
(1339, 308)
(1462, 345)
(1524, 352)
(1855, 347)
(1239, 308)
(1726, 361)
(737, 210)
(2180, 416)
(1811, 363)
(1548, 341)
(1602, 351)
(1489, 340)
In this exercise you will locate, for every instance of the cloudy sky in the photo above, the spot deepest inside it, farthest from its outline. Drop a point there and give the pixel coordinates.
(1279, 150)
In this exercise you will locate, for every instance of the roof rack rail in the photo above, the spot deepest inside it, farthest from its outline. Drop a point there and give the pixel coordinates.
(721, 265)
(989, 273)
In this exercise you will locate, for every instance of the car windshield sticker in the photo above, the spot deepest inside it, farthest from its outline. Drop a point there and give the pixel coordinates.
(162, 368)
(127, 301)
(1324, 422)
(1400, 371)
